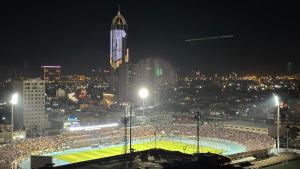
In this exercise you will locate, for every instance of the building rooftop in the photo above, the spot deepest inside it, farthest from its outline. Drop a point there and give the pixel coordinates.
(119, 21)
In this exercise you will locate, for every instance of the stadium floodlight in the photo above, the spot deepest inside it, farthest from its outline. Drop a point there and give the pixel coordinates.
(93, 127)
(276, 98)
(277, 103)
(13, 101)
(143, 93)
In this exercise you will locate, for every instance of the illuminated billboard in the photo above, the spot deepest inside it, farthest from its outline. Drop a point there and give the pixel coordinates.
(108, 99)
(117, 47)
(72, 121)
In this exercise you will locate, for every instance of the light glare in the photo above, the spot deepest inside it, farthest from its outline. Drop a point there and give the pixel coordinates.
(93, 127)
(14, 99)
(276, 100)
(143, 93)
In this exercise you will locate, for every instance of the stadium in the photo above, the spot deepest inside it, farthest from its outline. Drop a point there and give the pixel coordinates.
(94, 142)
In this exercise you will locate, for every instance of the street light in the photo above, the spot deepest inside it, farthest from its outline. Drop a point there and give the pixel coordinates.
(276, 98)
(13, 101)
(143, 93)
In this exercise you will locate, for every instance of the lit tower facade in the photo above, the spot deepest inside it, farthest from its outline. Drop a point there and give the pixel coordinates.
(118, 35)
(119, 58)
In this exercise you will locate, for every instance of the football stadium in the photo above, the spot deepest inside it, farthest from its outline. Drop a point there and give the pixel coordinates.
(96, 142)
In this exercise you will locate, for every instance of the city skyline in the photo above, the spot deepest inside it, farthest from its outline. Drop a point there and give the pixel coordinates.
(76, 35)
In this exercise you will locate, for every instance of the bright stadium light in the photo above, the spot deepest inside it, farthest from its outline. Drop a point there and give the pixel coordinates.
(277, 103)
(276, 98)
(143, 93)
(13, 101)
(93, 127)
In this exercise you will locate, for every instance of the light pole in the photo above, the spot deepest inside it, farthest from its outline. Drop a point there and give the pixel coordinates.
(13, 101)
(276, 98)
(143, 93)
(130, 133)
(287, 137)
(197, 116)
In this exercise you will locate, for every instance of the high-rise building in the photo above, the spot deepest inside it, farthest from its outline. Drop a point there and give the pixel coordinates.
(119, 54)
(30, 110)
(153, 73)
(119, 58)
(51, 73)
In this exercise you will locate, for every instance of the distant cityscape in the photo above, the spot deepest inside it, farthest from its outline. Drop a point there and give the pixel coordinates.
(218, 96)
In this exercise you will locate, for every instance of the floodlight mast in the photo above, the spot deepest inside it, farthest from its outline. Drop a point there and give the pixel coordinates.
(277, 103)
(13, 101)
(197, 116)
(130, 132)
(143, 93)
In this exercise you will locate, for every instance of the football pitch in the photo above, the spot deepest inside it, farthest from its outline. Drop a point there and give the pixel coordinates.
(117, 150)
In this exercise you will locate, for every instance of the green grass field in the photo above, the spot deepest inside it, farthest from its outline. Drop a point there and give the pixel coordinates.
(112, 151)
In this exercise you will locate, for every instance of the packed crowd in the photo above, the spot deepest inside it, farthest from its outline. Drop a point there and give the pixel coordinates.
(41, 145)
(14, 151)
(253, 141)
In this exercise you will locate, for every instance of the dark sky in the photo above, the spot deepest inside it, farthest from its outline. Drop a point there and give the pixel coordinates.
(75, 34)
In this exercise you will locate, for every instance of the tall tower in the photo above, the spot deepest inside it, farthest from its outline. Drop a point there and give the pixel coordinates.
(119, 58)
(118, 35)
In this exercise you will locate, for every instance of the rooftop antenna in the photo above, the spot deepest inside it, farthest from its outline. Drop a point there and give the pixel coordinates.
(119, 13)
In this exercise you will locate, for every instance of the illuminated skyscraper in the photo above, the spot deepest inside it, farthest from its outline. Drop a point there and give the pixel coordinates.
(118, 35)
(119, 58)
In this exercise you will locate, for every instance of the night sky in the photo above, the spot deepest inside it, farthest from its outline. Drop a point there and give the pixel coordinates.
(75, 34)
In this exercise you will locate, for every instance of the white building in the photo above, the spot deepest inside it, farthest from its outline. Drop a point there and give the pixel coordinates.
(30, 110)
(60, 93)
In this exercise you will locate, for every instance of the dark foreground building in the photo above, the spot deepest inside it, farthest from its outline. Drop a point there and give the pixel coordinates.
(155, 159)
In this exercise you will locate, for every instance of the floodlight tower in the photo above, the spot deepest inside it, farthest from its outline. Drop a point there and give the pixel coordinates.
(13, 101)
(277, 103)
(143, 93)
(197, 117)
